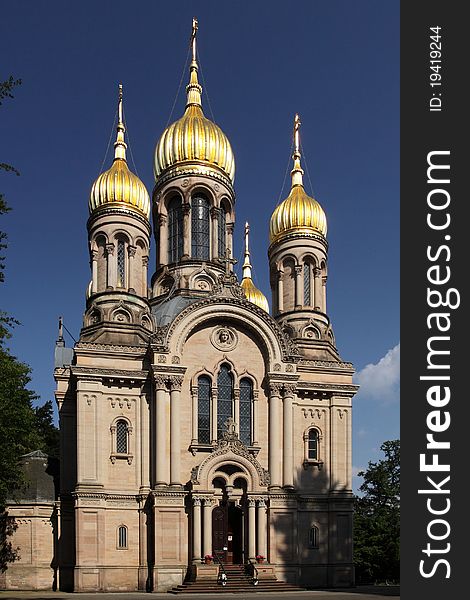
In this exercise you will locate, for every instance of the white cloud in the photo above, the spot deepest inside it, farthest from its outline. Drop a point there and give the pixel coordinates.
(381, 381)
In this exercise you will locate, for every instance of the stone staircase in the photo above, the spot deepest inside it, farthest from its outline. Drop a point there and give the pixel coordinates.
(238, 581)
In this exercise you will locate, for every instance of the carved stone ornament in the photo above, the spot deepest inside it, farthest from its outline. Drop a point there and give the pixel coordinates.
(224, 339)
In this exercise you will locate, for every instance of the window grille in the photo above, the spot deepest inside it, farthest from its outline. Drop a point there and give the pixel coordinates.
(175, 230)
(245, 419)
(121, 264)
(122, 537)
(307, 284)
(224, 399)
(121, 437)
(200, 234)
(222, 242)
(313, 444)
(204, 410)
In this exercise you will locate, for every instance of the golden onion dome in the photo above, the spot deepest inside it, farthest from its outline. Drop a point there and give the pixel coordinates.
(194, 138)
(252, 293)
(298, 213)
(118, 186)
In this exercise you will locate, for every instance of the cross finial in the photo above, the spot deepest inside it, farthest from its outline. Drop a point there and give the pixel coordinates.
(230, 425)
(193, 37)
(228, 261)
(297, 124)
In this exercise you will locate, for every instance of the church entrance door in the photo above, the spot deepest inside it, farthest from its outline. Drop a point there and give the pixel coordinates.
(227, 532)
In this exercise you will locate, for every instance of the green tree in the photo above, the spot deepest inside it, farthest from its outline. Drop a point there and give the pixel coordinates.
(377, 519)
(23, 428)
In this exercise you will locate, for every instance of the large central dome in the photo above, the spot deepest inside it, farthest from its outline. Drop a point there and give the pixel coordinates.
(194, 138)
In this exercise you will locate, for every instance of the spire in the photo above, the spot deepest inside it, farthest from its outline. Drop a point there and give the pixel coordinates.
(297, 171)
(193, 89)
(120, 145)
(247, 264)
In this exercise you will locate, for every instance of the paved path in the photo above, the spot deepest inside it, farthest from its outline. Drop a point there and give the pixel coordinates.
(358, 593)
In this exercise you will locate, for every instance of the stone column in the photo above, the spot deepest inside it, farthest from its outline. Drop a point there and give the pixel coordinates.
(161, 430)
(298, 286)
(145, 262)
(236, 409)
(255, 417)
(318, 292)
(175, 438)
(94, 271)
(207, 526)
(131, 250)
(275, 442)
(196, 529)
(145, 443)
(230, 227)
(186, 228)
(262, 538)
(215, 232)
(251, 528)
(280, 291)
(214, 414)
(162, 240)
(194, 422)
(111, 279)
(324, 293)
(287, 448)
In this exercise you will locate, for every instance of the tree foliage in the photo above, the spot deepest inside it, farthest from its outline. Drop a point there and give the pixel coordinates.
(377, 519)
(23, 427)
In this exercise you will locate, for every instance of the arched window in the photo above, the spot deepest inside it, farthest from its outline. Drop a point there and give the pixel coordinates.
(200, 235)
(121, 264)
(122, 445)
(245, 419)
(122, 537)
(222, 234)
(175, 230)
(307, 284)
(224, 398)
(204, 410)
(313, 537)
(312, 445)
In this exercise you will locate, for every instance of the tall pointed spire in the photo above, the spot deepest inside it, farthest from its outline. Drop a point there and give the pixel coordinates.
(297, 171)
(194, 89)
(120, 145)
(247, 264)
(252, 293)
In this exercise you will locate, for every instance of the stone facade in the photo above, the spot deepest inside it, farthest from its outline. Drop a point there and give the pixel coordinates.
(192, 421)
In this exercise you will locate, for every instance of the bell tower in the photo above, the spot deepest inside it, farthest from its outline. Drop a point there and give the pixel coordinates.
(193, 198)
(119, 237)
(298, 255)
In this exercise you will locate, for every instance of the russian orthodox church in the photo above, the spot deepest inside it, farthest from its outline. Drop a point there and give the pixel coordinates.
(194, 421)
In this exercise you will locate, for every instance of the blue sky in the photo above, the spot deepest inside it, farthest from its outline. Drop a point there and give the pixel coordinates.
(336, 63)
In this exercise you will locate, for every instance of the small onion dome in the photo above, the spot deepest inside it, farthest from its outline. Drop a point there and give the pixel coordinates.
(298, 213)
(252, 293)
(118, 186)
(194, 138)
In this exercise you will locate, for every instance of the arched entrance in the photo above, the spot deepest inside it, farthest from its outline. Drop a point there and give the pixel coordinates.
(229, 519)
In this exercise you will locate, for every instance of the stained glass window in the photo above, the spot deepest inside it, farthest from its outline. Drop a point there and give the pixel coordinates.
(224, 399)
(222, 232)
(313, 444)
(200, 235)
(204, 410)
(175, 230)
(121, 437)
(246, 398)
(121, 264)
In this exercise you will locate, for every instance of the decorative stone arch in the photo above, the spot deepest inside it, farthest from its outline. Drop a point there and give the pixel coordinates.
(237, 313)
(147, 322)
(202, 372)
(93, 316)
(309, 256)
(203, 188)
(247, 375)
(230, 452)
(311, 332)
(164, 200)
(320, 450)
(121, 314)
(203, 279)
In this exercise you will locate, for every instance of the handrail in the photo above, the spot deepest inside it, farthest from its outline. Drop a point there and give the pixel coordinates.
(223, 576)
(255, 579)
